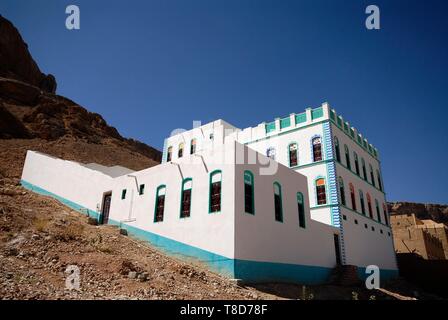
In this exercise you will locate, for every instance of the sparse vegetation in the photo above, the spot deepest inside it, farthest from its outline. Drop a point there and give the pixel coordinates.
(40, 224)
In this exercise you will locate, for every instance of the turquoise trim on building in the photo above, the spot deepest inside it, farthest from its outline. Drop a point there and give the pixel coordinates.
(164, 150)
(270, 127)
(254, 271)
(385, 274)
(292, 129)
(300, 118)
(176, 249)
(317, 113)
(285, 122)
(334, 196)
(362, 143)
(68, 203)
(246, 270)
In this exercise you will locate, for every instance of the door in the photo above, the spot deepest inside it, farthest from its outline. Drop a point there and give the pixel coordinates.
(106, 208)
(337, 249)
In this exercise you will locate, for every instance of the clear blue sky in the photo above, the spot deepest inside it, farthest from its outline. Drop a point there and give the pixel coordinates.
(151, 66)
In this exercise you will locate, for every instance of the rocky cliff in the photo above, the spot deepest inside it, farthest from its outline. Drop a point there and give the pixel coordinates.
(33, 116)
(436, 212)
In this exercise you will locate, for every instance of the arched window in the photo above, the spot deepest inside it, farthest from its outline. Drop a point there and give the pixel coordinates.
(386, 220)
(355, 156)
(371, 175)
(169, 154)
(270, 153)
(193, 146)
(361, 199)
(364, 172)
(321, 191)
(301, 209)
(369, 205)
(278, 207)
(293, 154)
(317, 149)
(347, 158)
(249, 192)
(377, 207)
(159, 203)
(185, 207)
(352, 196)
(342, 191)
(380, 184)
(215, 191)
(180, 152)
(337, 149)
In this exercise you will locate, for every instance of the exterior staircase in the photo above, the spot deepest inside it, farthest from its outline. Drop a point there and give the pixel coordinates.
(345, 275)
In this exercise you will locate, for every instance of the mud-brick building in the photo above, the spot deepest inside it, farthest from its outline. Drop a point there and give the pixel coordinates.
(423, 237)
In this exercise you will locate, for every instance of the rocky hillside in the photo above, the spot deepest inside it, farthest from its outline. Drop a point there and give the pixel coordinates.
(436, 212)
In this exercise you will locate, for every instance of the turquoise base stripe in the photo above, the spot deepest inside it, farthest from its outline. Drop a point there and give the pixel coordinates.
(249, 271)
(68, 203)
(254, 271)
(385, 274)
(173, 248)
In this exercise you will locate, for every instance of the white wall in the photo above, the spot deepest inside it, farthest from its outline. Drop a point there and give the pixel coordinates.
(209, 231)
(67, 179)
(364, 246)
(260, 237)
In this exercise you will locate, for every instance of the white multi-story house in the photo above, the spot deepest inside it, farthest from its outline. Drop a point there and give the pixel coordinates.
(286, 200)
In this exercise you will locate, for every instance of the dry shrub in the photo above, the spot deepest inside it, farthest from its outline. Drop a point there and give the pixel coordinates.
(41, 225)
(105, 249)
(69, 232)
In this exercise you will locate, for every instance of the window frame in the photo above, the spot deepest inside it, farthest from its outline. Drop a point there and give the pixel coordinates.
(156, 203)
(356, 160)
(337, 149)
(169, 154)
(362, 202)
(193, 144)
(215, 172)
(276, 183)
(377, 209)
(296, 152)
(348, 163)
(313, 150)
(352, 196)
(184, 181)
(342, 191)
(301, 210)
(317, 192)
(252, 191)
(180, 150)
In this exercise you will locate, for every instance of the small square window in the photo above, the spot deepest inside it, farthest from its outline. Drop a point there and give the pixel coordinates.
(365, 225)
(356, 221)
(388, 234)
(123, 194)
(373, 229)
(381, 231)
(344, 217)
(141, 190)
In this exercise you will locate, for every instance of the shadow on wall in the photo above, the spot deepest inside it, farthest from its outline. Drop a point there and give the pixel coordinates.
(431, 275)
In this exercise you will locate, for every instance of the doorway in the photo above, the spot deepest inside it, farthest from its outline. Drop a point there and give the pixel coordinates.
(107, 198)
(337, 249)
